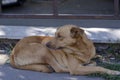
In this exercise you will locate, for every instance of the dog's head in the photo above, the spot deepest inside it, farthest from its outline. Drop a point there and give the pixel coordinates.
(65, 36)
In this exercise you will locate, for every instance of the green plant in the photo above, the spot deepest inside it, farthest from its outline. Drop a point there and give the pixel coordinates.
(8, 48)
(109, 66)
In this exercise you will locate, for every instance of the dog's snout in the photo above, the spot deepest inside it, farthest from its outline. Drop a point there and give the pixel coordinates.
(51, 45)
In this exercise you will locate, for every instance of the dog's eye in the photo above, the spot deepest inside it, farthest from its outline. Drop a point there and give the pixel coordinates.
(59, 37)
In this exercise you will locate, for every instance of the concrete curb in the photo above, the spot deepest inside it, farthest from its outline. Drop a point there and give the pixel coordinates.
(98, 35)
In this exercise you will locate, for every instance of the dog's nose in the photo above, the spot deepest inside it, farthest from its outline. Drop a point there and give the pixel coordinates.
(48, 45)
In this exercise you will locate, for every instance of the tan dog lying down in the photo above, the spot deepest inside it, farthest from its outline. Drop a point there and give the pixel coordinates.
(68, 51)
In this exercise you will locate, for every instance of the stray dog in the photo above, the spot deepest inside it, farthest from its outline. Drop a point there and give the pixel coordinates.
(68, 51)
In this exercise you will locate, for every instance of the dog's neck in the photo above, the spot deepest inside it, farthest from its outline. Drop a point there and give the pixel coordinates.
(81, 50)
(82, 47)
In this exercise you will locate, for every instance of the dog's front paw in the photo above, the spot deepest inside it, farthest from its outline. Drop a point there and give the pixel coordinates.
(112, 72)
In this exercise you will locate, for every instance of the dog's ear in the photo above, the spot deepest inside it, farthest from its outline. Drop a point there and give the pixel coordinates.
(76, 32)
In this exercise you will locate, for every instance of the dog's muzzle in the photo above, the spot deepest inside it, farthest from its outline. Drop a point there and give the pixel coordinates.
(49, 45)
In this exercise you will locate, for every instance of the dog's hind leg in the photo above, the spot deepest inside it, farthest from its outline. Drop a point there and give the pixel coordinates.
(36, 67)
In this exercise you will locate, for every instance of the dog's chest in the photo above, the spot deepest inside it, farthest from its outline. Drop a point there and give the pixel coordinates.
(60, 57)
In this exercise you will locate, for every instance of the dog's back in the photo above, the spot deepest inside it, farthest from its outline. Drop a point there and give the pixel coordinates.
(22, 44)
